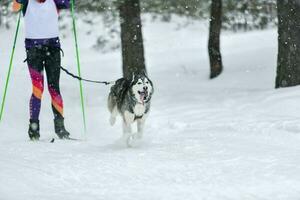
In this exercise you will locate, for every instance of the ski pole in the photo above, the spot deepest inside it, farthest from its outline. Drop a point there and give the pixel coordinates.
(10, 65)
(78, 64)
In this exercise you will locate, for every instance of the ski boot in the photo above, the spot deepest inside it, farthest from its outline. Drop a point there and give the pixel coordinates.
(34, 129)
(60, 130)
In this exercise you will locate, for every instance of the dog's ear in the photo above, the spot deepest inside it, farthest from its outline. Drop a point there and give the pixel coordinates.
(131, 80)
(151, 83)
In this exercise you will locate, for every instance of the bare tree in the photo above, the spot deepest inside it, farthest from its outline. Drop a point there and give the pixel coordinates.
(288, 61)
(215, 57)
(131, 38)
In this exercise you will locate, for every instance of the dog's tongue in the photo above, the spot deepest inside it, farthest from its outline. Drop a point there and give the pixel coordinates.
(142, 97)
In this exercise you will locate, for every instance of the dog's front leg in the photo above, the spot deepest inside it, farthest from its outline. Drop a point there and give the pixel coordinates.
(140, 127)
(127, 134)
(126, 128)
(128, 119)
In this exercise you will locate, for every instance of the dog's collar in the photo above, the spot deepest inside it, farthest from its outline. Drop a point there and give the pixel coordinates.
(138, 117)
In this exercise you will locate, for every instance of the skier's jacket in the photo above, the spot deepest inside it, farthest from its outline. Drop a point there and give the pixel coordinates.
(44, 31)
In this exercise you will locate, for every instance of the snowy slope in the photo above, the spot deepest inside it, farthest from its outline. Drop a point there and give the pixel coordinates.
(231, 138)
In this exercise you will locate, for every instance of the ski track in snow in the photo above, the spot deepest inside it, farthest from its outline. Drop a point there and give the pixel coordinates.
(230, 138)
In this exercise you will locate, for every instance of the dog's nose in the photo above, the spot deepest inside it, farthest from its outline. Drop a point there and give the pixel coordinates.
(145, 88)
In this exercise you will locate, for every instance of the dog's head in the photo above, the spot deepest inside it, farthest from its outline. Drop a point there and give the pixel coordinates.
(141, 88)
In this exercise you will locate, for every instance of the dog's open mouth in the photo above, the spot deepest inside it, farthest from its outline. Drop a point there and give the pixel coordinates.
(143, 95)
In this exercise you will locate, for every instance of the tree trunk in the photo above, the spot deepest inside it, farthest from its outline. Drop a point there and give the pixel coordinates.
(215, 57)
(288, 60)
(131, 38)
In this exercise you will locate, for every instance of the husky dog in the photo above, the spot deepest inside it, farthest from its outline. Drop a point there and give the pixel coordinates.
(131, 99)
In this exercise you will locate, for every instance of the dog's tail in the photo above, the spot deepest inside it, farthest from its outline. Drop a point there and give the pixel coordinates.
(111, 102)
(112, 107)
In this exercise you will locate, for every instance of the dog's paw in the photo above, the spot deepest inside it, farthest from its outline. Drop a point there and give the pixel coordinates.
(133, 140)
(127, 139)
(130, 141)
(112, 120)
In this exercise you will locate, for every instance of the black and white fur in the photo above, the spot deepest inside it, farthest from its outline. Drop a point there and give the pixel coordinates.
(131, 99)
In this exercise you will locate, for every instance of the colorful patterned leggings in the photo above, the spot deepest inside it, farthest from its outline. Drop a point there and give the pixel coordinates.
(38, 59)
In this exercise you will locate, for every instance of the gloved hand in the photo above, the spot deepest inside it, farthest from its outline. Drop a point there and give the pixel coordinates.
(16, 6)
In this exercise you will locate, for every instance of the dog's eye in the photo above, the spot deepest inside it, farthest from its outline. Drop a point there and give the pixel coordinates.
(147, 82)
(139, 83)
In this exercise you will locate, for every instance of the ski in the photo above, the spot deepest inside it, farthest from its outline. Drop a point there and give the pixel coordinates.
(68, 138)
(52, 140)
(74, 139)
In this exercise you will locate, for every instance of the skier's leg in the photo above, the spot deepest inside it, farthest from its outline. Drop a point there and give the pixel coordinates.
(35, 66)
(52, 66)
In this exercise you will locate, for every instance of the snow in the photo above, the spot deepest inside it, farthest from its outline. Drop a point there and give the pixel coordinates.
(234, 137)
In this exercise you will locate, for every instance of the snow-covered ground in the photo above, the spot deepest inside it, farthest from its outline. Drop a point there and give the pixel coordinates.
(232, 138)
